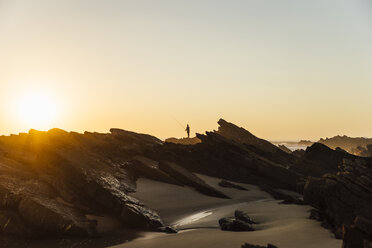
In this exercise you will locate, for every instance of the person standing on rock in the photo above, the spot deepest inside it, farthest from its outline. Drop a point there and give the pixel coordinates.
(188, 130)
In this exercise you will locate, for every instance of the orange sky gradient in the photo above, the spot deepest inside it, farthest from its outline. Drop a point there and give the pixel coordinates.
(288, 71)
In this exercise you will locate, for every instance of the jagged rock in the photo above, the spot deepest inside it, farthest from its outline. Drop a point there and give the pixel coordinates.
(347, 143)
(240, 135)
(53, 179)
(284, 149)
(218, 156)
(343, 197)
(11, 223)
(230, 224)
(319, 159)
(340, 150)
(298, 153)
(168, 229)
(316, 215)
(227, 184)
(145, 167)
(363, 151)
(184, 141)
(305, 142)
(358, 234)
(240, 215)
(241, 222)
(246, 245)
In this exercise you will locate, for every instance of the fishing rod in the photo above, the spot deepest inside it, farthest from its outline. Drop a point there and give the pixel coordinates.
(179, 123)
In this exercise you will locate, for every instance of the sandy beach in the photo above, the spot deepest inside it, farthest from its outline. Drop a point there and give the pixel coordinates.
(196, 217)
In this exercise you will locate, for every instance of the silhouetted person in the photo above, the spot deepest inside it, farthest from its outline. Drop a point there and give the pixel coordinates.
(188, 130)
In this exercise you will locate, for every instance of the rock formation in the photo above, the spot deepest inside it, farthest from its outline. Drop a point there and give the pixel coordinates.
(240, 223)
(345, 198)
(352, 145)
(57, 183)
(284, 148)
(184, 141)
(51, 181)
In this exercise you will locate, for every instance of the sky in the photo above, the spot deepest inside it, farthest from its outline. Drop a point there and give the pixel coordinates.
(290, 69)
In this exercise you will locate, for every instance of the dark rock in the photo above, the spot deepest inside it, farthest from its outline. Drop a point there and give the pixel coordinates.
(284, 149)
(242, 136)
(184, 141)
(219, 156)
(319, 159)
(271, 246)
(241, 222)
(227, 184)
(315, 215)
(298, 153)
(352, 145)
(338, 233)
(12, 223)
(145, 167)
(345, 199)
(340, 150)
(240, 215)
(223, 221)
(168, 229)
(246, 245)
(53, 180)
(227, 224)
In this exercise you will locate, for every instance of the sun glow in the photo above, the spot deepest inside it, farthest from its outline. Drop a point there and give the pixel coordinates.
(37, 110)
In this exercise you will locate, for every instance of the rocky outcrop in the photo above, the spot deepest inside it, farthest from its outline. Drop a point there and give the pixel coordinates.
(319, 159)
(241, 222)
(358, 234)
(53, 180)
(240, 215)
(352, 145)
(221, 157)
(168, 229)
(240, 135)
(363, 151)
(230, 224)
(184, 141)
(284, 149)
(345, 199)
(50, 182)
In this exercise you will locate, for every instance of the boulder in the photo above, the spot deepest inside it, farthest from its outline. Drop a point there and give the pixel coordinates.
(230, 224)
(241, 222)
(240, 215)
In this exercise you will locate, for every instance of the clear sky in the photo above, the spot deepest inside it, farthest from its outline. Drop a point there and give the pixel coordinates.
(281, 69)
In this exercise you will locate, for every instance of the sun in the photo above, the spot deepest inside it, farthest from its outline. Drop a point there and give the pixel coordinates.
(37, 110)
